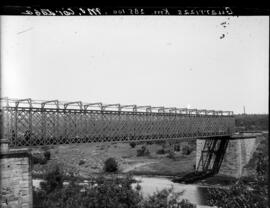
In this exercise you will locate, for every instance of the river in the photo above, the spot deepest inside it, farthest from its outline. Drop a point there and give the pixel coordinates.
(194, 193)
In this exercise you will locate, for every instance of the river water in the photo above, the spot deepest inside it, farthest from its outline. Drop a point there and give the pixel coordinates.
(194, 193)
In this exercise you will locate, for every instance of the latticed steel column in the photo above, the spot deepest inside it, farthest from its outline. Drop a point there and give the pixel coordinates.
(43, 126)
(30, 125)
(57, 123)
(16, 127)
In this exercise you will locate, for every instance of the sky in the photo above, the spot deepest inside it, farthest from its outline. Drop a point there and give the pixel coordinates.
(202, 62)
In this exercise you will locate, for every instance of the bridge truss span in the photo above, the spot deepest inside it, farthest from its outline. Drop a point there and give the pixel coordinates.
(30, 122)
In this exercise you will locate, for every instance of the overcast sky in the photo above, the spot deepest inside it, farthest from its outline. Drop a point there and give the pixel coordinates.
(201, 62)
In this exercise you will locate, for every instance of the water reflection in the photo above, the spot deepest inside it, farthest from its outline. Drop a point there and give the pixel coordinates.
(192, 192)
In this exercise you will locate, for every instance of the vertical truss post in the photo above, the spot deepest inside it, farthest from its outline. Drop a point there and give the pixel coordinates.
(17, 102)
(43, 125)
(99, 105)
(30, 122)
(80, 105)
(111, 121)
(57, 122)
(182, 110)
(43, 119)
(16, 126)
(192, 111)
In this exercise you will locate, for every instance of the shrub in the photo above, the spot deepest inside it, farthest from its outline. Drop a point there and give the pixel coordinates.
(38, 159)
(110, 165)
(166, 198)
(177, 148)
(43, 161)
(132, 144)
(161, 151)
(53, 180)
(186, 150)
(143, 151)
(82, 162)
(111, 193)
(171, 155)
(47, 155)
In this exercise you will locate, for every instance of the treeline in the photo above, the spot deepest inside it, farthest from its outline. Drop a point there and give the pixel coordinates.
(252, 122)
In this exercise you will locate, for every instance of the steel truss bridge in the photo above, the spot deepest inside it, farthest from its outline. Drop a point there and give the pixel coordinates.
(30, 122)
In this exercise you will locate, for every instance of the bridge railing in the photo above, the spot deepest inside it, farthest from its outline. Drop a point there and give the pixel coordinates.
(30, 122)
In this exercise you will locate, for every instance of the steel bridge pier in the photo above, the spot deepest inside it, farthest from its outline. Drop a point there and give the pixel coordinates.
(212, 155)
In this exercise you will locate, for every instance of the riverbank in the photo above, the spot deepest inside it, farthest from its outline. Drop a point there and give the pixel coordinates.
(88, 159)
(218, 181)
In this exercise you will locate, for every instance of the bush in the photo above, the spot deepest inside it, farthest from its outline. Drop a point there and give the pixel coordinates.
(166, 198)
(53, 180)
(38, 159)
(82, 162)
(47, 155)
(143, 152)
(132, 144)
(186, 150)
(110, 165)
(161, 151)
(171, 155)
(177, 148)
(111, 193)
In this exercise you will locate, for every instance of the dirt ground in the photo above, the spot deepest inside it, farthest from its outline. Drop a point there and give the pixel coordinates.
(88, 159)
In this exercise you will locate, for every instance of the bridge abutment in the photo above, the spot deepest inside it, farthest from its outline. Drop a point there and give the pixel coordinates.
(15, 177)
(238, 154)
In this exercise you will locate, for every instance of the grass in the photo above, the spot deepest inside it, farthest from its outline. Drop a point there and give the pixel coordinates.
(94, 155)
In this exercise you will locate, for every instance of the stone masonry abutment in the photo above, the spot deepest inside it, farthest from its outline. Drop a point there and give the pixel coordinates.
(15, 178)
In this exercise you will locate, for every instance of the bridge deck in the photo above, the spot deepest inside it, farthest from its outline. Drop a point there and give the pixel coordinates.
(31, 125)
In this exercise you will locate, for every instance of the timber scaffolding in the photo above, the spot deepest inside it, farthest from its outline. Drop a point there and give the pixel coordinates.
(30, 123)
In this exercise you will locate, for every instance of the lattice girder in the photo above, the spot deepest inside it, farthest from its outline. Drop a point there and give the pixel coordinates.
(46, 126)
